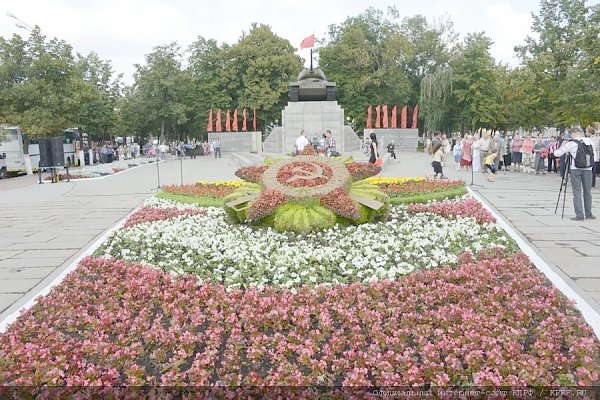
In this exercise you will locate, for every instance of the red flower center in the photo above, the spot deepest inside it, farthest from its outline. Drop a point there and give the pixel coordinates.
(304, 174)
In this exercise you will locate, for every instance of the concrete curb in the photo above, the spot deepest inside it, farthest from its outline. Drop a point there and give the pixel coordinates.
(590, 315)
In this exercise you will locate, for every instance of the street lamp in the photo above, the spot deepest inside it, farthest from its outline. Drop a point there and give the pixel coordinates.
(20, 23)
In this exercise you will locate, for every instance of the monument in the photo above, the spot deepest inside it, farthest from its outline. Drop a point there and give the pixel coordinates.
(312, 108)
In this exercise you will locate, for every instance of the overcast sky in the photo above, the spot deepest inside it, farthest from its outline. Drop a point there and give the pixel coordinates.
(124, 31)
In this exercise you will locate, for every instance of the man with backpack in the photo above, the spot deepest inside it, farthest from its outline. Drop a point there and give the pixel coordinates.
(581, 152)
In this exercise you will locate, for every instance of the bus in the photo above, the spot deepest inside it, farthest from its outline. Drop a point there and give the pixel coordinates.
(15, 142)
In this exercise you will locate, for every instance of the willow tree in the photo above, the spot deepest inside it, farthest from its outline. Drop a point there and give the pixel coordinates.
(435, 89)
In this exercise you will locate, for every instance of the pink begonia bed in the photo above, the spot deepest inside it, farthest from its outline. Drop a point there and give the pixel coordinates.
(463, 208)
(149, 214)
(491, 321)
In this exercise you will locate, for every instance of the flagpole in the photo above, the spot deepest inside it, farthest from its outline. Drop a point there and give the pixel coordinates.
(311, 60)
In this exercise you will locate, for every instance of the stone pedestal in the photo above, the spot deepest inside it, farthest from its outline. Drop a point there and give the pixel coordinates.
(312, 117)
(241, 142)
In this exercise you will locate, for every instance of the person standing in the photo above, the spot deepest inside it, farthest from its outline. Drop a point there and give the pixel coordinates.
(331, 144)
(457, 154)
(590, 133)
(540, 154)
(552, 160)
(374, 149)
(484, 150)
(391, 149)
(517, 156)
(581, 178)
(217, 147)
(477, 160)
(527, 151)
(301, 142)
(466, 159)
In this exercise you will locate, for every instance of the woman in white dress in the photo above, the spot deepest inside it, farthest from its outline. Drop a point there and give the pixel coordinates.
(476, 155)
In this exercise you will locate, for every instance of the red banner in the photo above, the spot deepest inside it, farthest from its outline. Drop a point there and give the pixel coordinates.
(369, 117)
(394, 117)
(403, 117)
(254, 121)
(378, 116)
(235, 121)
(415, 116)
(244, 116)
(308, 42)
(227, 122)
(385, 116)
(218, 127)
(210, 122)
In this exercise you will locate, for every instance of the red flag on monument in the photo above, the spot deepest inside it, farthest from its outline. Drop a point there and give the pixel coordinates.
(244, 116)
(378, 116)
(394, 117)
(308, 42)
(210, 122)
(415, 116)
(254, 121)
(235, 122)
(385, 116)
(227, 122)
(403, 117)
(218, 126)
(369, 117)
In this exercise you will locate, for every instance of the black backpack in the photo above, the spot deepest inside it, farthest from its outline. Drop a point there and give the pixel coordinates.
(584, 158)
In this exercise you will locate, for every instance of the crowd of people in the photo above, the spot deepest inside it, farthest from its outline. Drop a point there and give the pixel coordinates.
(324, 144)
(489, 152)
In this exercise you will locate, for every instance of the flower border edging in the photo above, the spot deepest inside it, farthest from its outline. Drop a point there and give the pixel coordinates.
(591, 316)
(12, 317)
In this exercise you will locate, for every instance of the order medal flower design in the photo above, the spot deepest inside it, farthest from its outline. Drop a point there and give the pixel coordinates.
(307, 193)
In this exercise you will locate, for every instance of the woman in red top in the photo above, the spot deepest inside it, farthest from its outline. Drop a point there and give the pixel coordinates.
(467, 153)
(517, 157)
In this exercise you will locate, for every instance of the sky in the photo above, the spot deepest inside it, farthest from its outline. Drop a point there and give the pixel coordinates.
(124, 31)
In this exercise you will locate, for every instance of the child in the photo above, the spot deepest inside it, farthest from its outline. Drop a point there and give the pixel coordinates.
(490, 165)
(438, 155)
(457, 154)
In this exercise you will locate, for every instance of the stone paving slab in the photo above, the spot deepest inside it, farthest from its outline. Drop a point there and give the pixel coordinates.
(30, 262)
(25, 273)
(6, 300)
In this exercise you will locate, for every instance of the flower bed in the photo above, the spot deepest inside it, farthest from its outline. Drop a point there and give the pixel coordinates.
(492, 322)
(463, 207)
(63, 177)
(150, 214)
(410, 192)
(241, 256)
(200, 190)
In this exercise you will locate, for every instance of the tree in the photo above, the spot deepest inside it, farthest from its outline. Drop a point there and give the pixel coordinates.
(556, 58)
(207, 65)
(364, 55)
(159, 90)
(474, 85)
(259, 69)
(36, 84)
(435, 92)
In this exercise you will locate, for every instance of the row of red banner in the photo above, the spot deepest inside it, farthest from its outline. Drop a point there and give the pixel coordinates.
(382, 120)
(231, 124)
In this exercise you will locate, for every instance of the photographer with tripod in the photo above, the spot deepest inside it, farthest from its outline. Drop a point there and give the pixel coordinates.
(580, 156)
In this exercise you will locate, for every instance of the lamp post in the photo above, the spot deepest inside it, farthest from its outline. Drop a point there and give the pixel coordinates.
(19, 23)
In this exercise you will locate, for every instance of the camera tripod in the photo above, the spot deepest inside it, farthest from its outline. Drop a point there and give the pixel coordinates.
(563, 185)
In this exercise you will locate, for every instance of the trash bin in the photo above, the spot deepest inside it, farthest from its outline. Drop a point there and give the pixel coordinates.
(109, 158)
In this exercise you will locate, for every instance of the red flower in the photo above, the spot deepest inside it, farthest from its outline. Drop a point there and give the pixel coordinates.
(362, 170)
(340, 203)
(266, 203)
(252, 173)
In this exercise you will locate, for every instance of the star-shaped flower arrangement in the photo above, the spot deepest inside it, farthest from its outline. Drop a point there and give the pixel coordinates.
(307, 193)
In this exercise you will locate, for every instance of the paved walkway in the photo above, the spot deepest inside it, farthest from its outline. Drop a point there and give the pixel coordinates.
(43, 228)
